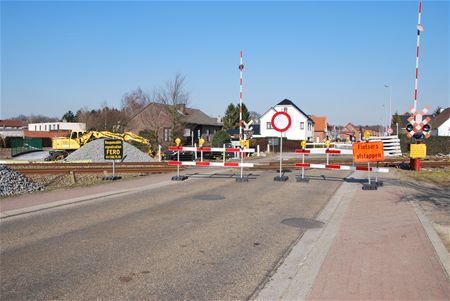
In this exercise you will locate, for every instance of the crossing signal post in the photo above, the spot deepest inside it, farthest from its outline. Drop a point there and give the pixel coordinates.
(418, 129)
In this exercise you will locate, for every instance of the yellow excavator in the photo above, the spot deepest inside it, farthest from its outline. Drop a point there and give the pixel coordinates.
(62, 146)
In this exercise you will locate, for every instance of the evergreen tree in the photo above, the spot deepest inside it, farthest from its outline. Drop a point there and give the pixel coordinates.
(396, 119)
(68, 116)
(231, 118)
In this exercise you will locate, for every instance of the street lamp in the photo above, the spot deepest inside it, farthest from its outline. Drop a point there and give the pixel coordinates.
(390, 103)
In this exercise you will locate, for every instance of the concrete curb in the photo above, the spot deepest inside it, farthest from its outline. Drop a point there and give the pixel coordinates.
(441, 251)
(295, 277)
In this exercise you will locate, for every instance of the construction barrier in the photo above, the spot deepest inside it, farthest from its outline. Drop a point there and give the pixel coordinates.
(328, 151)
(202, 163)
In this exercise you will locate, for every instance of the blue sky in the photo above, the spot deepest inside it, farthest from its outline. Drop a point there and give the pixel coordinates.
(330, 57)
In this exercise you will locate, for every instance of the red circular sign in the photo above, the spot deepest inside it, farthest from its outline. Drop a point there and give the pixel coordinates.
(281, 121)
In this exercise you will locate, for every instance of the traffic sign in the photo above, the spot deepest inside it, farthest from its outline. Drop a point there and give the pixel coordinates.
(418, 127)
(113, 149)
(390, 131)
(247, 125)
(418, 151)
(368, 151)
(281, 121)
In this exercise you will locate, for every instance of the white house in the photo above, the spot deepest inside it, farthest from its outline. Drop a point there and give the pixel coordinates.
(302, 126)
(441, 123)
(57, 126)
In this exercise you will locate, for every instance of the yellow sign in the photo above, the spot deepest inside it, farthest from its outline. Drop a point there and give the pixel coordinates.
(368, 151)
(418, 151)
(245, 143)
(201, 142)
(367, 135)
(178, 141)
(327, 143)
(303, 144)
(113, 149)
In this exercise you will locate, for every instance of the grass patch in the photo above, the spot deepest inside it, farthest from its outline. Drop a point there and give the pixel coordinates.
(439, 176)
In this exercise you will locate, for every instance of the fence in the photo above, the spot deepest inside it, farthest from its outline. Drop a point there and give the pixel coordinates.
(25, 145)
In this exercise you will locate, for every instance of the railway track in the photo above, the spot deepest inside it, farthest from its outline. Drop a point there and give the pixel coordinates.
(159, 167)
(63, 168)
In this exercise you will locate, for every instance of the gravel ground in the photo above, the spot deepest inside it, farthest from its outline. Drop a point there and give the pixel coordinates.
(94, 151)
(56, 182)
(12, 183)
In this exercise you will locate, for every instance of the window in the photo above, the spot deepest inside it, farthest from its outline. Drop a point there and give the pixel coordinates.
(167, 135)
(302, 125)
(269, 125)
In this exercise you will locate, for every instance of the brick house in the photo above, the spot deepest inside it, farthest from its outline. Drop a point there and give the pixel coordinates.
(157, 118)
(320, 128)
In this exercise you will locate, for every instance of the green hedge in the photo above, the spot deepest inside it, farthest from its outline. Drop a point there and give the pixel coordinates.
(435, 144)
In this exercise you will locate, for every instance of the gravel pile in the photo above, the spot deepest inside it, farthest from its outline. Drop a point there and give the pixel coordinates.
(94, 151)
(12, 182)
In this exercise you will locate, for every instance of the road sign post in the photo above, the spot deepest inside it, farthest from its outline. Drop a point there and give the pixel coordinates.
(113, 150)
(281, 122)
(368, 152)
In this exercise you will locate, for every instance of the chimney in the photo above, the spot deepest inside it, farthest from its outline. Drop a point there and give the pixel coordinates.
(182, 108)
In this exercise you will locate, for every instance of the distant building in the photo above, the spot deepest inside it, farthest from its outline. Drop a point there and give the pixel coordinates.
(440, 125)
(302, 126)
(10, 128)
(156, 117)
(56, 126)
(320, 128)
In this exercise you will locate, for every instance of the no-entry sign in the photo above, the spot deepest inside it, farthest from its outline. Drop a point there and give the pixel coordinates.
(281, 121)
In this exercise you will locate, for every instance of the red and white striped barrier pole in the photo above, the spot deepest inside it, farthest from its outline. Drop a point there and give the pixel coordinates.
(325, 151)
(419, 29)
(342, 167)
(212, 164)
(241, 136)
(212, 149)
(241, 67)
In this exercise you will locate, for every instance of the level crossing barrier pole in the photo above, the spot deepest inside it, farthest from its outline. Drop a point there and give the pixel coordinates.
(178, 177)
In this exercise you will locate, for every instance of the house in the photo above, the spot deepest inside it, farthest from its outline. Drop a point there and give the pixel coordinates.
(320, 128)
(158, 119)
(302, 126)
(440, 125)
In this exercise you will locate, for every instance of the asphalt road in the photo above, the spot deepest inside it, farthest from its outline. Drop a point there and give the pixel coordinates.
(205, 239)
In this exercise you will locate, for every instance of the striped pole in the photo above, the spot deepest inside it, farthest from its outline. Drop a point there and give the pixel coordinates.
(241, 67)
(419, 29)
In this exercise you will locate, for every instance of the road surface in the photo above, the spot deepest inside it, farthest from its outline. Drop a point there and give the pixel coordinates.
(202, 239)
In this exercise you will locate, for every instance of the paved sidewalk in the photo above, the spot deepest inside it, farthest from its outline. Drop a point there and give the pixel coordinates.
(373, 247)
(381, 252)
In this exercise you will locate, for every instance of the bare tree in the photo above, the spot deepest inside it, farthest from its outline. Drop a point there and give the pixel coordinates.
(174, 95)
(134, 101)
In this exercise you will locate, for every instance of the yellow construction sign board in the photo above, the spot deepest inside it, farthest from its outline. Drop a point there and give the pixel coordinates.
(418, 151)
(368, 151)
(113, 149)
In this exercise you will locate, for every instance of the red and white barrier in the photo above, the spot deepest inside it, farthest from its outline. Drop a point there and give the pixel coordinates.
(214, 164)
(315, 151)
(212, 149)
(342, 167)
